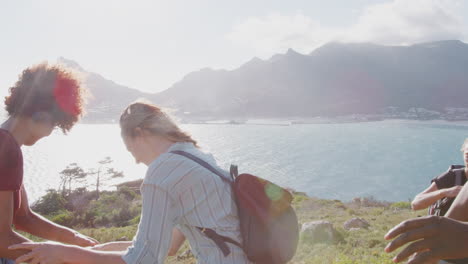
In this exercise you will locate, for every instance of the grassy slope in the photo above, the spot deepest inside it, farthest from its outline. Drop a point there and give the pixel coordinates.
(359, 247)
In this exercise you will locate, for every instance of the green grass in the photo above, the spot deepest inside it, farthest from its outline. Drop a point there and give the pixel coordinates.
(360, 246)
(104, 235)
(357, 247)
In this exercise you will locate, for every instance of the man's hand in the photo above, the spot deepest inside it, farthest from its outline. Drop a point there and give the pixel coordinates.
(47, 252)
(426, 262)
(83, 241)
(435, 238)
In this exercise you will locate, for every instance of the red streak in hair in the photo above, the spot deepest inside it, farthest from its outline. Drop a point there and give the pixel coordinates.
(65, 93)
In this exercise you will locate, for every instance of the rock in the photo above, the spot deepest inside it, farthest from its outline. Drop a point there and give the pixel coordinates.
(124, 238)
(356, 223)
(357, 200)
(320, 232)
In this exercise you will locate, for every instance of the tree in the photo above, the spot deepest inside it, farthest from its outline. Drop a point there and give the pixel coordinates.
(104, 173)
(71, 173)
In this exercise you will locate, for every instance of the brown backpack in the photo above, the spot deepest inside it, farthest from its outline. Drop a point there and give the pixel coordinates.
(268, 223)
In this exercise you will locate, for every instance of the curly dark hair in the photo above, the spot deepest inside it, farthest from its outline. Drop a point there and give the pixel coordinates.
(51, 89)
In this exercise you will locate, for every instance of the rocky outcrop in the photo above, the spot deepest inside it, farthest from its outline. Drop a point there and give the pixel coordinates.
(320, 232)
(354, 223)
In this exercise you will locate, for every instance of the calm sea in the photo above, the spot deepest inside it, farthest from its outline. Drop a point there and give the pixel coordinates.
(389, 160)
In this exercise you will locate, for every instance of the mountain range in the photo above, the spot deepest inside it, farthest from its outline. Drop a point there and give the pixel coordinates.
(334, 80)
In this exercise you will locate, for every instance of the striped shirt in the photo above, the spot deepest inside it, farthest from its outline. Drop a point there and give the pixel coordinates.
(178, 192)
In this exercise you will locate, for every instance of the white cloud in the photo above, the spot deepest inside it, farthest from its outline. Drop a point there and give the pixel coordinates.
(397, 22)
(405, 22)
(276, 33)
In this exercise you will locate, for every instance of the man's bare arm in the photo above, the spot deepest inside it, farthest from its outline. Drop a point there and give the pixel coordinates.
(8, 237)
(30, 222)
(459, 209)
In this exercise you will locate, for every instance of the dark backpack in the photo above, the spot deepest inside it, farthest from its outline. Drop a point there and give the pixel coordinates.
(441, 206)
(268, 223)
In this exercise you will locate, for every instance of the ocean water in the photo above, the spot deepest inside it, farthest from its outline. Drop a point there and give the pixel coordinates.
(388, 160)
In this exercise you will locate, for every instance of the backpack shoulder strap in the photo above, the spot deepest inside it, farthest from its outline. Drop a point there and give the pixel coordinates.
(202, 163)
(218, 239)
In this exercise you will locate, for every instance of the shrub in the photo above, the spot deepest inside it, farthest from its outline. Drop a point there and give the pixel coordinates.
(127, 192)
(135, 220)
(51, 203)
(64, 218)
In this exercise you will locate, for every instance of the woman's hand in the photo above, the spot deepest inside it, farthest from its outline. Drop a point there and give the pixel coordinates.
(43, 253)
(113, 246)
(433, 238)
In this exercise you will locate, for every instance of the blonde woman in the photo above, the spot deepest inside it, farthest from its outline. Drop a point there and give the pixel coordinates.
(176, 191)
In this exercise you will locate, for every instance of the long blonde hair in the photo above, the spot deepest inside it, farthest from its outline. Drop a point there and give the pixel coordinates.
(151, 118)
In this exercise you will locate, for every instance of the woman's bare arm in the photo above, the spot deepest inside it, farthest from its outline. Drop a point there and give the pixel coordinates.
(177, 240)
(427, 197)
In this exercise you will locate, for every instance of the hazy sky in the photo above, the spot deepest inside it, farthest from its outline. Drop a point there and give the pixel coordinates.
(149, 45)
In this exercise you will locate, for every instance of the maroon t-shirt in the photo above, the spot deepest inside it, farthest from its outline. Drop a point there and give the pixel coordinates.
(11, 166)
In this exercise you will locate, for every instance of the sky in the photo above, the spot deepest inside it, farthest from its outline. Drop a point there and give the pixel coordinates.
(150, 45)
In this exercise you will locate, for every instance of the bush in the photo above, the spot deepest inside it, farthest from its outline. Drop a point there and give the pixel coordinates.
(127, 192)
(80, 208)
(102, 221)
(64, 218)
(135, 220)
(113, 209)
(51, 203)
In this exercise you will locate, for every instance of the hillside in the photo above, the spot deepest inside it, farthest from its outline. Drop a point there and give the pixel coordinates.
(423, 81)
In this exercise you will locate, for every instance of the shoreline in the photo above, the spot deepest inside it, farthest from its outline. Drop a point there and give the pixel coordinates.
(313, 121)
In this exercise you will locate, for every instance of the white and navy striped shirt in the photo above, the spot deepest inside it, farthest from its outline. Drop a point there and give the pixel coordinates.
(178, 192)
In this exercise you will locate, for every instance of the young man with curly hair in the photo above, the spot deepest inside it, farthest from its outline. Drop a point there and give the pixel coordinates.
(44, 97)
